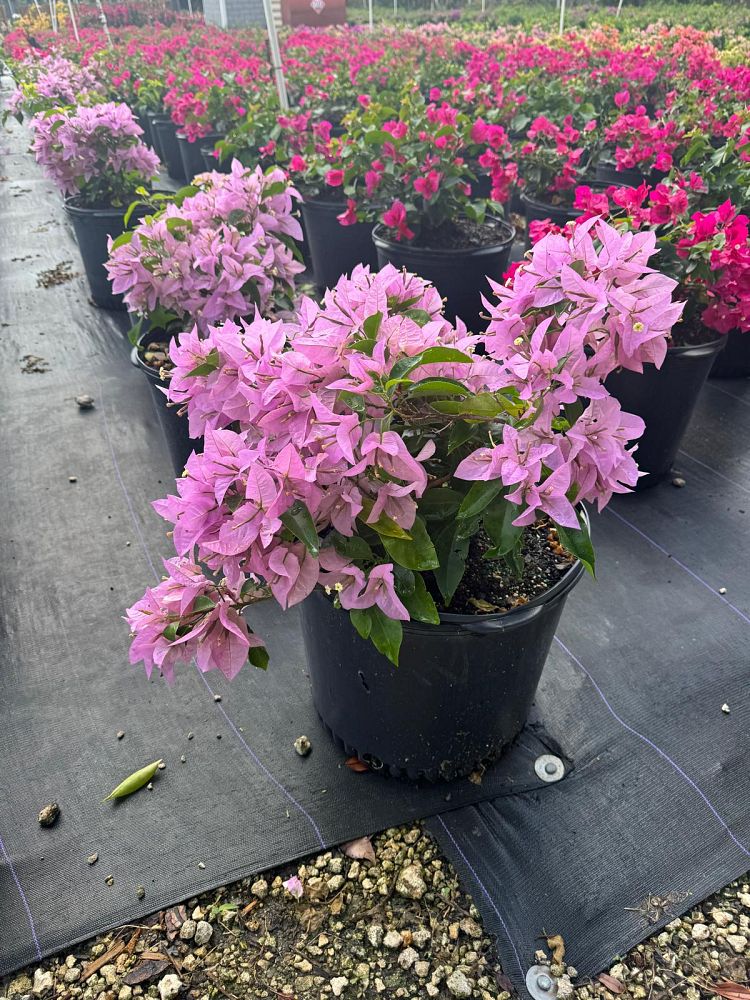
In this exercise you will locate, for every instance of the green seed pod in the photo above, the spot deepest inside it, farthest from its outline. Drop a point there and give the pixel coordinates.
(134, 781)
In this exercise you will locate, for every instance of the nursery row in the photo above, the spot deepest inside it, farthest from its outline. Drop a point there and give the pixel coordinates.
(410, 449)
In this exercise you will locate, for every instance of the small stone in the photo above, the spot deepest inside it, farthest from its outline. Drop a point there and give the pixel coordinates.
(722, 590)
(169, 986)
(338, 985)
(737, 942)
(120, 734)
(470, 927)
(303, 746)
(85, 402)
(259, 888)
(92, 859)
(201, 865)
(150, 786)
(109, 974)
(744, 898)
(72, 479)
(110, 880)
(125, 993)
(203, 932)
(190, 736)
(162, 765)
(335, 882)
(679, 482)
(183, 758)
(421, 937)
(217, 697)
(43, 982)
(392, 940)
(187, 931)
(49, 815)
(725, 709)
(375, 935)
(432, 991)
(140, 892)
(700, 932)
(721, 918)
(72, 975)
(410, 883)
(458, 984)
(407, 958)
(422, 969)
(20, 986)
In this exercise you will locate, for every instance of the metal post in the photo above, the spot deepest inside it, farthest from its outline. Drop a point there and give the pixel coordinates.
(105, 24)
(53, 15)
(73, 21)
(562, 16)
(619, 8)
(223, 19)
(276, 64)
(370, 14)
(190, 7)
(395, 8)
(484, 6)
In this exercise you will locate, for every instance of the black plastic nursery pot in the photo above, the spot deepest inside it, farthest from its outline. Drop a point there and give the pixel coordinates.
(191, 156)
(734, 360)
(460, 695)
(166, 130)
(150, 117)
(92, 226)
(212, 162)
(335, 249)
(459, 275)
(173, 424)
(607, 173)
(145, 124)
(665, 398)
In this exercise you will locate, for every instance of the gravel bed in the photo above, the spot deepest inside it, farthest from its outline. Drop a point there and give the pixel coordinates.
(391, 925)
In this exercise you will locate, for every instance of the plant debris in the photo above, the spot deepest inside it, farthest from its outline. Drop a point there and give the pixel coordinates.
(57, 275)
(49, 815)
(34, 365)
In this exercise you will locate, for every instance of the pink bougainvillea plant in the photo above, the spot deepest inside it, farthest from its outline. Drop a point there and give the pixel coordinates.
(95, 153)
(362, 445)
(221, 252)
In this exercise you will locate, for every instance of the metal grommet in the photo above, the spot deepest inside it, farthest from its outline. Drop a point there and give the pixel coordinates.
(549, 768)
(539, 982)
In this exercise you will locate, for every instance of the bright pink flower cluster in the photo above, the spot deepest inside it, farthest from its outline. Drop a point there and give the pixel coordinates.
(642, 142)
(327, 437)
(221, 254)
(95, 152)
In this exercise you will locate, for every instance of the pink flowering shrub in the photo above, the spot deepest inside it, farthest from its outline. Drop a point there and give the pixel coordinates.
(94, 152)
(362, 445)
(222, 253)
(49, 82)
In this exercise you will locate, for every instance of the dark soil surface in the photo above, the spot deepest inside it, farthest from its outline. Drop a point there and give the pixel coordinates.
(490, 586)
(155, 354)
(692, 334)
(461, 234)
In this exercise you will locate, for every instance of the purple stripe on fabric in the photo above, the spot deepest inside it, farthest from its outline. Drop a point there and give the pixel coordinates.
(678, 562)
(650, 743)
(489, 898)
(714, 471)
(218, 705)
(24, 900)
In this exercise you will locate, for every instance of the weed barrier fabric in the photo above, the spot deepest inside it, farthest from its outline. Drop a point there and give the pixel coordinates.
(656, 800)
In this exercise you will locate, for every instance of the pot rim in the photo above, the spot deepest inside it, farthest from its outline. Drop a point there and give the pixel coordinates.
(443, 252)
(110, 212)
(537, 202)
(137, 360)
(713, 346)
(201, 138)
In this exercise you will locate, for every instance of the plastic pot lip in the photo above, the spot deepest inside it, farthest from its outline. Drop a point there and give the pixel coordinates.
(200, 139)
(713, 346)
(443, 253)
(138, 361)
(574, 213)
(81, 212)
(503, 620)
(323, 207)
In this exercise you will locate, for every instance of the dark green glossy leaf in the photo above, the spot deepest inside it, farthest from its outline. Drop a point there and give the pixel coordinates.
(417, 552)
(419, 603)
(480, 495)
(299, 521)
(386, 634)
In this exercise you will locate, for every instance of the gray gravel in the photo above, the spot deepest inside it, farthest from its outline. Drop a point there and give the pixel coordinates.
(396, 928)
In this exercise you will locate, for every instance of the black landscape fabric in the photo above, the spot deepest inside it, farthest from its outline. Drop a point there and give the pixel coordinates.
(654, 812)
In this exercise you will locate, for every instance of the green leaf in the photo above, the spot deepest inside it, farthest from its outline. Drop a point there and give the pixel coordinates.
(438, 386)
(459, 434)
(479, 496)
(420, 316)
(385, 526)
(578, 543)
(372, 324)
(432, 356)
(483, 406)
(134, 781)
(134, 333)
(452, 551)
(174, 223)
(385, 634)
(419, 603)
(377, 137)
(440, 503)
(417, 552)
(122, 239)
(203, 603)
(355, 548)
(211, 363)
(353, 400)
(258, 656)
(361, 619)
(299, 521)
(170, 632)
(498, 523)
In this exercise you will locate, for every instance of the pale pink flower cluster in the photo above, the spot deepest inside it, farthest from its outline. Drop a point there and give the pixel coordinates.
(324, 439)
(96, 152)
(51, 81)
(219, 255)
